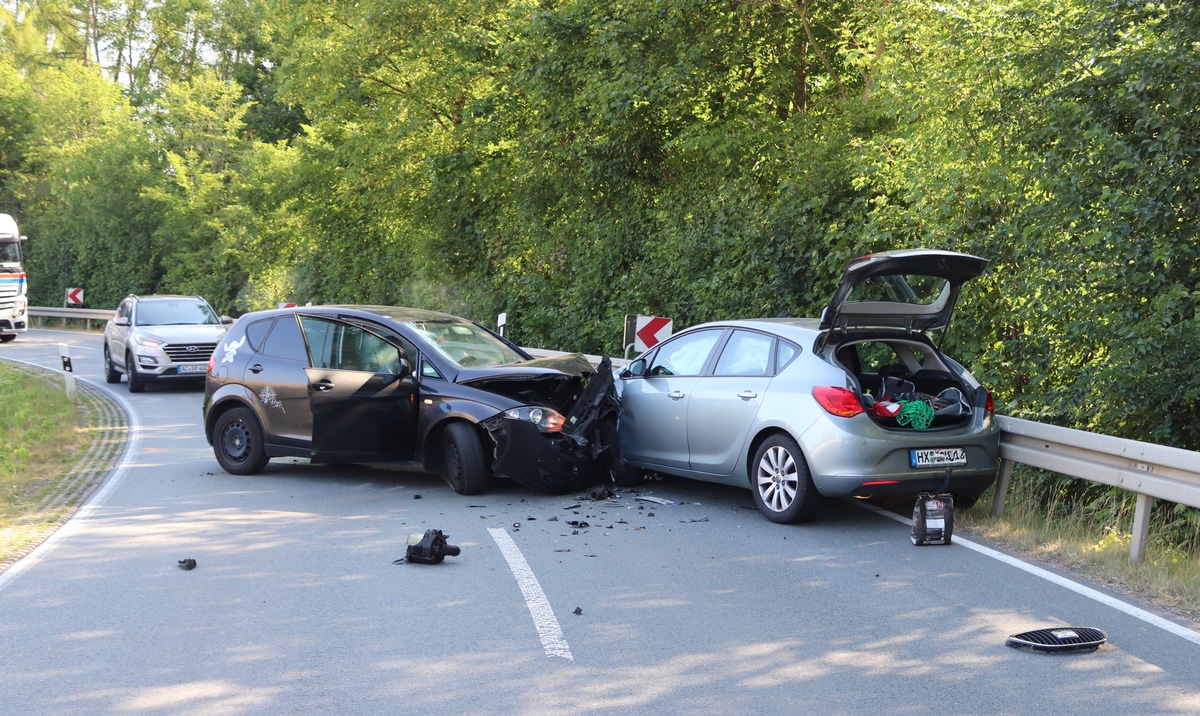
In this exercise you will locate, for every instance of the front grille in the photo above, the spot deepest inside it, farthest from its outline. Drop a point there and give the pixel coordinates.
(1059, 639)
(189, 352)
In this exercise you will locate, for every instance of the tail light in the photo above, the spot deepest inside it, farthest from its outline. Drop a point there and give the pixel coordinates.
(990, 405)
(841, 402)
(212, 362)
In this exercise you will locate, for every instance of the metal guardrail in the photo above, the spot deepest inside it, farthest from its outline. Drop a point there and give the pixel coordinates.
(1150, 471)
(87, 315)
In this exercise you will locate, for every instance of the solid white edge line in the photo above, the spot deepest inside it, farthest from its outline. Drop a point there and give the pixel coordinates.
(548, 628)
(132, 447)
(1109, 601)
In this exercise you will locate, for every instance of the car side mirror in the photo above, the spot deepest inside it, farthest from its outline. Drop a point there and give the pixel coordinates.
(405, 369)
(635, 369)
(226, 320)
(121, 321)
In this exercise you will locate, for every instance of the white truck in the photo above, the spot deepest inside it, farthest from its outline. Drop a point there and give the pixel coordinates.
(14, 306)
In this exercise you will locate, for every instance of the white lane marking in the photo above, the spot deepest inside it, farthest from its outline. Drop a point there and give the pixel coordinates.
(548, 628)
(132, 446)
(1135, 612)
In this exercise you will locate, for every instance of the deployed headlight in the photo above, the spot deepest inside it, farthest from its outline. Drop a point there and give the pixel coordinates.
(548, 420)
(147, 341)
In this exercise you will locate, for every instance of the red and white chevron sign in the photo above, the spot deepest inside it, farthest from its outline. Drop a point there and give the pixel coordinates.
(650, 331)
(74, 297)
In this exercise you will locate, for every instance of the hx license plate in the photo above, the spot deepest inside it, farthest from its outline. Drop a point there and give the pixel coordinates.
(938, 457)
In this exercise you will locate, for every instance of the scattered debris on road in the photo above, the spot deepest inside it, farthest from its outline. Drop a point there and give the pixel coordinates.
(187, 564)
(656, 500)
(428, 548)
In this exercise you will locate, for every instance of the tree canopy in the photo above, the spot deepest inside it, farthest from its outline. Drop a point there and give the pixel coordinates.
(569, 162)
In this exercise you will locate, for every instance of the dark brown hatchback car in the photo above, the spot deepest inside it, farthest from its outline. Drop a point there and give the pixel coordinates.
(388, 384)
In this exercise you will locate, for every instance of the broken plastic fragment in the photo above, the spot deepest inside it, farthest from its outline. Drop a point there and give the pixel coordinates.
(658, 500)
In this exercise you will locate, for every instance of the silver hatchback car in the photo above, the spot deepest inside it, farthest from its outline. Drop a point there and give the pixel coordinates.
(858, 402)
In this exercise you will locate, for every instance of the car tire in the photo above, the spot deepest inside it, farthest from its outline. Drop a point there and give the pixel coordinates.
(110, 371)
(466, 469)
(136, 384)
(8, 337)
(783, 488)
(238, 442)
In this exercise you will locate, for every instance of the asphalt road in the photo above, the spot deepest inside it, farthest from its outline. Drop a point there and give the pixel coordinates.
(702, 607)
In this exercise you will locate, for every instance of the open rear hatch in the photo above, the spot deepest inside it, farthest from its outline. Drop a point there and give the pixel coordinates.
(886, 298)
(914, 289)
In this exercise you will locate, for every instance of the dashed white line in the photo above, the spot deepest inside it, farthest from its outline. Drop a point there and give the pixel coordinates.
(548, 628)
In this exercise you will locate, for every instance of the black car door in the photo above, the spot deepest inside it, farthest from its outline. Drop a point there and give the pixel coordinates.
(274, 372)
(362, 392)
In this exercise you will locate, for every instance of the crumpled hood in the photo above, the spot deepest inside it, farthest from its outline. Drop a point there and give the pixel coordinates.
(571, 365)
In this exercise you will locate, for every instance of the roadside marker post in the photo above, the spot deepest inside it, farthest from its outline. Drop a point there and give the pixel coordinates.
(64, 351)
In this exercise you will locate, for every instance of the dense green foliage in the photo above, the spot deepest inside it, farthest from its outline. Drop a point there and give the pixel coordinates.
(573, 161)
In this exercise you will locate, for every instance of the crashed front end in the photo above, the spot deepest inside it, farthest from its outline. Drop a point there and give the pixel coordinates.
(560, 439)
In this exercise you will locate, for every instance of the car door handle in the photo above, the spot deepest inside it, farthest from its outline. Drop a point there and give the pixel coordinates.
(323, 386)
(675, 394)
(256, 368)
(747, 395)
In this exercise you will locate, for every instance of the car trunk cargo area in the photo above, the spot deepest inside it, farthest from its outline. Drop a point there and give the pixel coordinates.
(905, 385)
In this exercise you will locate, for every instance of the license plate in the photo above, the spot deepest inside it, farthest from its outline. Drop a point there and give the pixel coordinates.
(939, 457)
(193, 367)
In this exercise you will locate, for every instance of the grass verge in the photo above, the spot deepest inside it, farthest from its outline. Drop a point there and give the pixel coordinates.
(1073, 535)
(54, 452)
(40, 438)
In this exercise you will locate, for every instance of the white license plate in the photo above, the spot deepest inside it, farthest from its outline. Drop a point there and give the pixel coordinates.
(938, 457)
(193, 367)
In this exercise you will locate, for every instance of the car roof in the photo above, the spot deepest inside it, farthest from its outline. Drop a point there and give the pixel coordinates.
(166, 297)
(400, 314)
(796, 329)
(396, 314)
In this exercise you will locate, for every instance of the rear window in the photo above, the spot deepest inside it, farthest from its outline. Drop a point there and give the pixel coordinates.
(918, 289)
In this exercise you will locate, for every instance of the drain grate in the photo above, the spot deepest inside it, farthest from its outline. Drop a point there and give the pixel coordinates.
(1059, 639)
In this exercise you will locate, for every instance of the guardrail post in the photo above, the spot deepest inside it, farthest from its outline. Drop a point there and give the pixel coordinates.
(1001, 493)
(1141, 528)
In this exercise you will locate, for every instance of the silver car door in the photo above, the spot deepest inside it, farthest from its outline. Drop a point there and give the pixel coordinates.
(724, 404)
(653, 425)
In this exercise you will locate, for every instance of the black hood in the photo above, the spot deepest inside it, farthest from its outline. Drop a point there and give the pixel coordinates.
(571, 365)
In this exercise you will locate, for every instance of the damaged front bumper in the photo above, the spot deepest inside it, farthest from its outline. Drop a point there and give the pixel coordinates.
(545, 462)
(572, 458)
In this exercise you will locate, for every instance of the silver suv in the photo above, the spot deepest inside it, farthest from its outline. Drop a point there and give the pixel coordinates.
(153, 338)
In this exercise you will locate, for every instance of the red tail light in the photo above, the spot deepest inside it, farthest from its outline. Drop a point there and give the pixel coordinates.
(838, 401)
(212, 362)
(990, 405)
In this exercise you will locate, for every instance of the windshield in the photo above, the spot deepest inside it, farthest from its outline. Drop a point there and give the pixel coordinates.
(183, 312)
(465, 343)
(10, 252)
